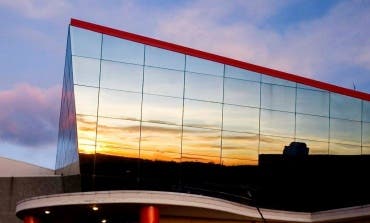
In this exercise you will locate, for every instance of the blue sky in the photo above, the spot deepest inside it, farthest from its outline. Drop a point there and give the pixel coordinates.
(324, 40)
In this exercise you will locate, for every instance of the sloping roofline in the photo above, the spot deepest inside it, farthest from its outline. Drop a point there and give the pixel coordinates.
(213, 57)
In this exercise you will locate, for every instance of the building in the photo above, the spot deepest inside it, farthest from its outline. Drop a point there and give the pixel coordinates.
(153, 130)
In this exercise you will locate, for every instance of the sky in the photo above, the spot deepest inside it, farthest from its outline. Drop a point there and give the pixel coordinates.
(324, 40)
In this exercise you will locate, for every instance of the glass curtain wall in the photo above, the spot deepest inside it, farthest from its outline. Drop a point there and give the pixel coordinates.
(139, 101)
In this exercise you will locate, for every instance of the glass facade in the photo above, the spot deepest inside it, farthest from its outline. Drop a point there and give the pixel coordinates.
(125, 99)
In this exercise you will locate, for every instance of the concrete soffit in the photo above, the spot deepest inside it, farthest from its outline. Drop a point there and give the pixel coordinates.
(171, 199)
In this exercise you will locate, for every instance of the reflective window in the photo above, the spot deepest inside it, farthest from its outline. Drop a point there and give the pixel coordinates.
(121, 76)
(278, 97)
(164, 58)
(277, 123)
(158, 155)
(202, 142)
(164, 82)
(312, 102)
(118, 137)
(315, 147)
(237, 162)
(309, 87)
(366, 134)
(235, 72)
(312, 127)
(86, 148)
(198, 65)
(85, 43)
(277, 81)
(366, 111)
(203, 87)
(240, 119)
(163, 110)
(344, 149)
(239, 146)
(86, 130)
(202, 114)
(86, 99)
(273, 145)
(345, 132)
(365, 150)
(163, 140)
(200, 158)
(345, 107)
(118, 49)
(86, 71)
(120, 104)
(242, 92)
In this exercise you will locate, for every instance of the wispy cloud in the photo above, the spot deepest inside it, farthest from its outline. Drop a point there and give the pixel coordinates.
(28, 115)
(317, 48)
(37, 9)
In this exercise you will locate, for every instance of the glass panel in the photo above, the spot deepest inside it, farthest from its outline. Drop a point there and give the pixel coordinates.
(277, 81)
(273, 145)
(312, 102)
(309, 87)
(164, 58)
(366, 134)
(241, 119)
(240, 146)
(315, 147)
(345, 132)
(242, 92)
(312, 127)
(203, 87)
(86, 130)
(366, 150)
(240, 73)
(278, 97)
(344, 149)
(85, 43)
(198, 65)
(118, 137)
(86, 149)
(164, 82)
(86, 71)
(202, 114)
(202, 142)
(163, 140)
(200, 158)
(163, 110)
(86, 99)
(366, 111)
(121, 76)
(118, 49)
(277, 123)
(342, 106)
(120, 104)
(160, 156)
(237, 162)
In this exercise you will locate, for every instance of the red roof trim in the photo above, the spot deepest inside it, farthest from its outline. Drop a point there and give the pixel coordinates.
(217, 58)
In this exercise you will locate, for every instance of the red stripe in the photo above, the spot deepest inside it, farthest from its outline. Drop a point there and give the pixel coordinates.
(220, 59)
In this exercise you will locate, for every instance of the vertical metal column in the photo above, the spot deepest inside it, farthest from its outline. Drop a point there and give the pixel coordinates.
(148, 214)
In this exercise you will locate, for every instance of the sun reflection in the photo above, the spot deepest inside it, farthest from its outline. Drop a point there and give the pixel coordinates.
(163, 142)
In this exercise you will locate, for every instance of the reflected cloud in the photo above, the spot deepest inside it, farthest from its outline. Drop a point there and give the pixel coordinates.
(162, 122)
(273, 145)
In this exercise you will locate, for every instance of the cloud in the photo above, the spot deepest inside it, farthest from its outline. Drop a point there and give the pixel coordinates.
(29, 115)
(321, 48)
(37, 9)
